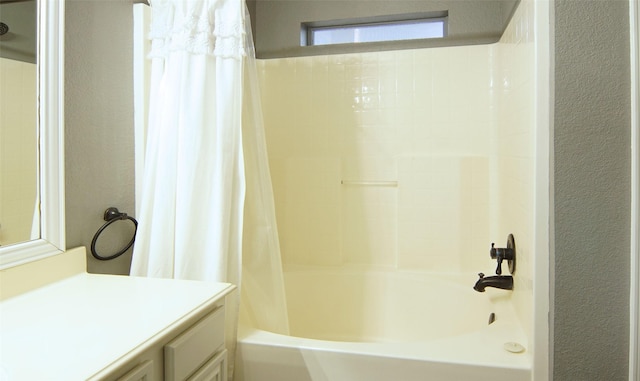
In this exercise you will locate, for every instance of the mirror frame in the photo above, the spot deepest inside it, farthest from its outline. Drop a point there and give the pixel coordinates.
(50, 109)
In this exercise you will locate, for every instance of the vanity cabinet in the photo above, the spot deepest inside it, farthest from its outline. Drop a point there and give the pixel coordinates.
(193, 352)
(194, 347)
(109, 327)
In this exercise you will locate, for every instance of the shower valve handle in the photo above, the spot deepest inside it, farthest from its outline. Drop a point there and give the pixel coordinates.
(500, 254)
(494, 253)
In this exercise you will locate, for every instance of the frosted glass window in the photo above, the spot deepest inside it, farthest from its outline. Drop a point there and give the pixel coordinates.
(390, 31)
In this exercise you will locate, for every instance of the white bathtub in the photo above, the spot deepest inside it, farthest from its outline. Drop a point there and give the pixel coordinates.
(351, 325)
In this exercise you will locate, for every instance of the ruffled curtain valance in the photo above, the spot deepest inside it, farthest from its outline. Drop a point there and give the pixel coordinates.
(211, 27)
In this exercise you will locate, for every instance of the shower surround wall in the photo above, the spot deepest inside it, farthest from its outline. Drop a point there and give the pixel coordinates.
(513, 160)
(419, 117)
(452, 126)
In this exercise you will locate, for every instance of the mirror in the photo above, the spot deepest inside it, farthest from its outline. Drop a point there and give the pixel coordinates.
(19, 220)
(42, 186)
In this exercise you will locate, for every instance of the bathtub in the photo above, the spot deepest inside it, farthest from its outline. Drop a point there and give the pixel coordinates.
(352, 324)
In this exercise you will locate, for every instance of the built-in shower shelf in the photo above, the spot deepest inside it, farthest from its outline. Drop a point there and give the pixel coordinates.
(370, 183)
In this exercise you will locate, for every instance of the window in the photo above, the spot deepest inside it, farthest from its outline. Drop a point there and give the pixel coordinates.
(389, 28)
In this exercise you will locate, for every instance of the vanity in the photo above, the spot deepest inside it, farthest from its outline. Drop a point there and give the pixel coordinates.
(61, 323)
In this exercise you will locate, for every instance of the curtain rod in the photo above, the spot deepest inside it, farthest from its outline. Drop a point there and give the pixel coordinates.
(145, 2)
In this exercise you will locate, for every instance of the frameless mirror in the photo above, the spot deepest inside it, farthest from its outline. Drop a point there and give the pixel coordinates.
(31, 122)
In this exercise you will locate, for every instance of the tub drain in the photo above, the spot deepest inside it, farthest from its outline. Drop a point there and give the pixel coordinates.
(513, 347)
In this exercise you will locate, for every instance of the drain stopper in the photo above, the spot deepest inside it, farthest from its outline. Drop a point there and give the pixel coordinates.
(513, 347)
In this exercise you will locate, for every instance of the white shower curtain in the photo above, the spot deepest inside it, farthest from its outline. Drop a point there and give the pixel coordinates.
(263, 296)
(193, 220)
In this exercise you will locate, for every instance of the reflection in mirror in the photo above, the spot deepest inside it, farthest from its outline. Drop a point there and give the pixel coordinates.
(19, 217)
(31, 138)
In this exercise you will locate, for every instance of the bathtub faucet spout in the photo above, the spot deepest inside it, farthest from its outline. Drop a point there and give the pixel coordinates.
(504, 282)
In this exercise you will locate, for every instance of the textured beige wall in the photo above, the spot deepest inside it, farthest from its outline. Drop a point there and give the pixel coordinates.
(592, 191)
(99, 130)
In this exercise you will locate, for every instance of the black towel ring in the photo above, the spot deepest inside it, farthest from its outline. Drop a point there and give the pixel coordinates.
(112, 215)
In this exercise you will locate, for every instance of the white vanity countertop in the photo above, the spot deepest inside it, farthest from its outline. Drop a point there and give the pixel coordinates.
(76, 327)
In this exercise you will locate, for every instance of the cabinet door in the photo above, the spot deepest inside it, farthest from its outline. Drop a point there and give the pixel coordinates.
(143, 372)
(187, 352)
(214, 370)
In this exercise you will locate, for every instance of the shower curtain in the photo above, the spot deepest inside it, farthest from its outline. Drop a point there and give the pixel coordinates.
(207, 208)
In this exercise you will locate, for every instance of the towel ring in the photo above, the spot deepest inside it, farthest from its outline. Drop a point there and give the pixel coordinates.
(112, 215)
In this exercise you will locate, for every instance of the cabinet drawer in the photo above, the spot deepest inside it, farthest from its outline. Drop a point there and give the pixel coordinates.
(143, 372)
(189, 351)
(214, 370)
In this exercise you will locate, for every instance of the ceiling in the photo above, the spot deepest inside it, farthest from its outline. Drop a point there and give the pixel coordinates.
(20, 42)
